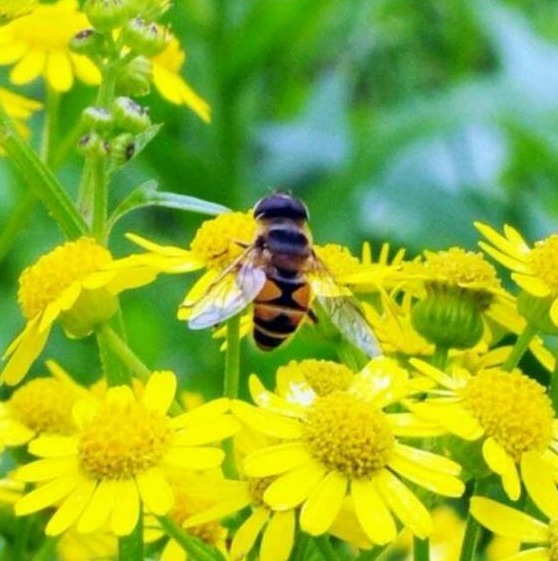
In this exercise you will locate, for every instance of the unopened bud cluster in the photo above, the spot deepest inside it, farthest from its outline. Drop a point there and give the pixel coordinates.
(112, 132)
(125, 33)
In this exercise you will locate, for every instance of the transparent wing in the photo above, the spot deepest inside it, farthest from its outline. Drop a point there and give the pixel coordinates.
(343, 309)
(228, 295)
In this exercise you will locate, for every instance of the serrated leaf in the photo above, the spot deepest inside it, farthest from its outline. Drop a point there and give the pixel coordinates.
(147, 194)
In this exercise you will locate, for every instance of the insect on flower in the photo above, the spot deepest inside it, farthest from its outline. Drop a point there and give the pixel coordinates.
(280, 273)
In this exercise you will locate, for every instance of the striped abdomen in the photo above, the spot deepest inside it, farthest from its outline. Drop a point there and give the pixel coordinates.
(279, 308)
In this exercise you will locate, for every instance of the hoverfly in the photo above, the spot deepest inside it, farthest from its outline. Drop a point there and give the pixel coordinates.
(280, 274)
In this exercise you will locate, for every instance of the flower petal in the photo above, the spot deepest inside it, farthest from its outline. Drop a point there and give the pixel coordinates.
(508, 522)
(194, 458)
(53, 446)
(293, 488)
(276, 459)
(47, 495)
(323, 504)
(58, 71)
(278, 537)
(42, 470)
(155, 491)
(372, 512)
(218, 429)
(29, 67)
(203, 413)
(539, 482)
(159, 391)
(246, 535)
(99, 507)
(269, 423)
(126, 510)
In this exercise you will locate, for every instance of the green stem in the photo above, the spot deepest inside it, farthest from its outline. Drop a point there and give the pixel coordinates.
(472, 528)
(520, 347)
(19, 549)
(130, 548)
(40, 179)
(371, 554)
(100, 198)
(195, 549)
(114, 357)
(15, 222)
(52, 109)
(421, 549)
(232, 359)
(553, 384)
(440, 357)
(47, 551)
(326, 549)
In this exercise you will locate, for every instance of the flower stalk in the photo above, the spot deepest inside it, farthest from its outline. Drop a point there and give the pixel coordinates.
(130, 548)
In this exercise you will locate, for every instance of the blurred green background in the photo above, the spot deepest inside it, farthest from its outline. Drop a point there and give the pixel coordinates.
(398, 121)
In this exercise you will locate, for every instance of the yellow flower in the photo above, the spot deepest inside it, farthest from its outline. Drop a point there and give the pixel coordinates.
(38, 44)
(509, 411)
(19, 108)
(42, 405)
(533, 268)
(118, 458)
(345, 445)
(516, 525)
(75, 285)
(171, 85)
(190, 498)
(13, 9)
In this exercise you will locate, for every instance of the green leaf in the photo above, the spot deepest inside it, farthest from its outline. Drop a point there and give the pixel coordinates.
(146, 195)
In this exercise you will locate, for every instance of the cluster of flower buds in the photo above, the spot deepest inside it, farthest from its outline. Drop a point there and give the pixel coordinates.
(112, 132)
(128, 33)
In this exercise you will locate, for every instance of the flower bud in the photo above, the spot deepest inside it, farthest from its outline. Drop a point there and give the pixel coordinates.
(135, 78)
(93, 145)
(148, 39)
(129, 115)
(88, 42)
(98, 119)
(122, 149)
(151, 10)
(106, 15)
(449, 317)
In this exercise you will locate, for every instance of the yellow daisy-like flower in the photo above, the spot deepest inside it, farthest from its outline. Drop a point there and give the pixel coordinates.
(345, 445)
(509, 411)
(533, 267)
(516, 525)
(119, 455)
(171, 85)
(76, 285)
(19, 108)
(190, 499)
(13, 9)
(43, 405)
(38, 46)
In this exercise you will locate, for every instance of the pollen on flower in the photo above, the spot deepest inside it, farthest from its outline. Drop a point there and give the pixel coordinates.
(42, 283)
(219, 241)
(323, 376)
(123, 440)
(462, 268)
(45, 405)
(338, 259)
(543, 259)
(512, 408)
(348, 435)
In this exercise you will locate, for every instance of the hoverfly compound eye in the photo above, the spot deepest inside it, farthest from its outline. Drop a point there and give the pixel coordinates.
(281, 205)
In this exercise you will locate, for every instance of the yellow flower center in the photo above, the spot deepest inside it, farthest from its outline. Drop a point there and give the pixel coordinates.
(323, 376)
(123, 440)
(543, 260)
(553, 540)
(219, 241)
(512, 408)
(462, 268)
(45, 405)
(348, 435)
(35, 30)
(42, 283)
(257, 486)
(338, 259)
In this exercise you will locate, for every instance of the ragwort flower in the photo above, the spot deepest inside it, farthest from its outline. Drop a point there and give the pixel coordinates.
(19, 108)
(508, 412)
(75, 285)
(38, 45)
(170, 84)
(516, 525)
(119, 456)
(344, 445)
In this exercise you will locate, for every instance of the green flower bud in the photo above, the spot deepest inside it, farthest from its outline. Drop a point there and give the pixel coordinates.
(536, 311)
(88, 42)
(122, 149)
(148, 39)
(135, 78)
(450, 317)
(106, 15)
(130, 116)
(151, 10)
(98, 119)
(93, 145)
